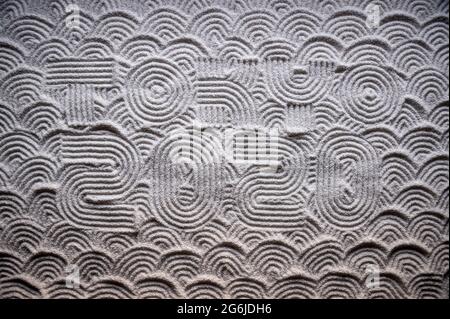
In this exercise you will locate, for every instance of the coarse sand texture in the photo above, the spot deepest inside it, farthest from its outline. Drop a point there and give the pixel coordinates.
(224, 149)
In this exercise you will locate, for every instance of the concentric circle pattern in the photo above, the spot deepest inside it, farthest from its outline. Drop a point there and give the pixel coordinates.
(224, 149)
(157, 91)
(347, 179)
(371, 94)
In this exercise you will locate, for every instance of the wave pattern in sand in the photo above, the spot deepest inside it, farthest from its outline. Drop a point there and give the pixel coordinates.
(100, 101)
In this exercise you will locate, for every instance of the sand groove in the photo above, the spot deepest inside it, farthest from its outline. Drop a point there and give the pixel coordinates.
(116, 123)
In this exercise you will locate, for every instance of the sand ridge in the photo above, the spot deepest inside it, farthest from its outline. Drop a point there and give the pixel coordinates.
(224, 149)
